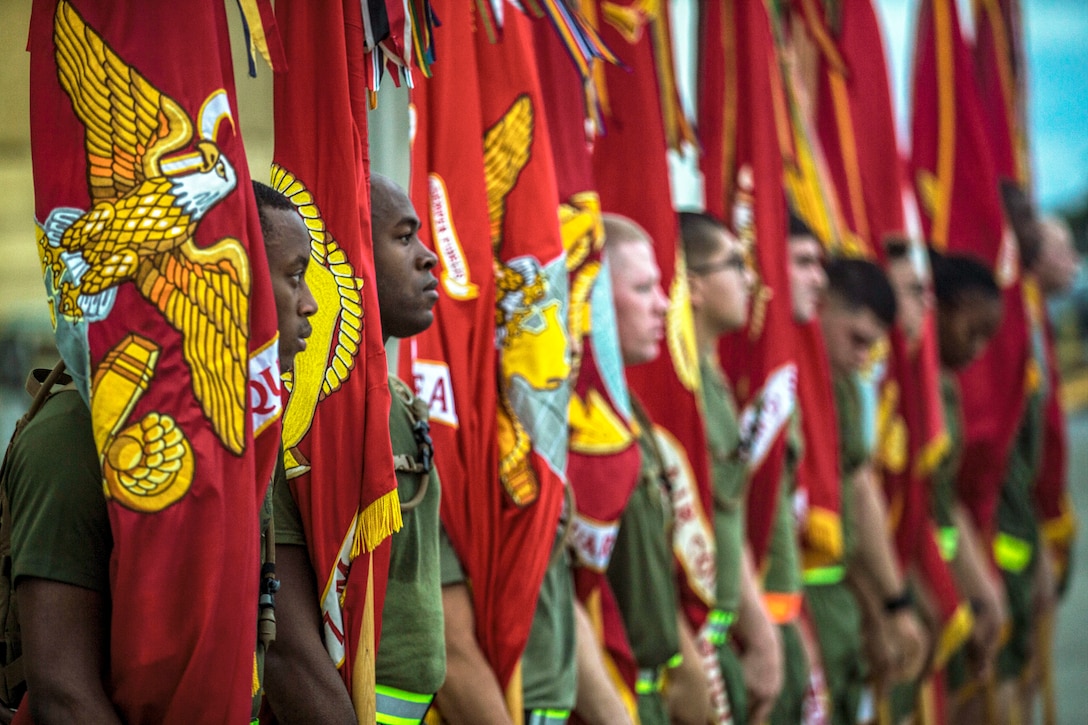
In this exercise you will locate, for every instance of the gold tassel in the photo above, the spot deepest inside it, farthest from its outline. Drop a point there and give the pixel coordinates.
(954, 635)
(376, 523)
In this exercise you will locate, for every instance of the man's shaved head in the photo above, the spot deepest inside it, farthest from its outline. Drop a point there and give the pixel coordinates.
(383, 192)
(621, 230)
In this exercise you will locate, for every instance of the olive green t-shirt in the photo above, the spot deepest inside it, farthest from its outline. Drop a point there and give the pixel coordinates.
(642, 570)
(549, 675)
(60, 526)
(852, 453)
(412, 650)
(1015, 511)
(728, 476)
(783, 571)
(944, 478)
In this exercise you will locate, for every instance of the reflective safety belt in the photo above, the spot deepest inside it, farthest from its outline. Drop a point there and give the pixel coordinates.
(824, 575)
(1011, 553)
(948, 542)
(547, 717)
(400, 707)
(650, 680)
(716, 629)
(782, 607)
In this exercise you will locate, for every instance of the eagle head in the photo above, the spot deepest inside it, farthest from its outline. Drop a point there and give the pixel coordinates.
(199, 191)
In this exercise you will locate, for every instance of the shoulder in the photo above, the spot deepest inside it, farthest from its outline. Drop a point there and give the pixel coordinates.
(63, 425)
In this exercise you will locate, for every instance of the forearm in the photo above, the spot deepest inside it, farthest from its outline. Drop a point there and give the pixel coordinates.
(301, 682)
(875, 558)
(471, 693)
(597, 701)
(753, 626)
(688, 696)
(972, 564)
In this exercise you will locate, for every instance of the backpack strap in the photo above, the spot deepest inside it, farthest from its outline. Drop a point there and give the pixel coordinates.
(421, 431)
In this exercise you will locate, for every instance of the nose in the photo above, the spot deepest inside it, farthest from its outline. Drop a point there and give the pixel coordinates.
(661, 302)
(426, 259)
(307, 305)
(819, 277)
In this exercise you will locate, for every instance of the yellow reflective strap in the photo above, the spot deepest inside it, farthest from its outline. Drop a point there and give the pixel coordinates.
(948, 542)
(651, 679)
(400, 707)
(824, 575)
(1011, 553)
(548, 717)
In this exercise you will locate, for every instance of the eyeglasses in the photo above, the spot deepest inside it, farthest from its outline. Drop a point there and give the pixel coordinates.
(735, 262)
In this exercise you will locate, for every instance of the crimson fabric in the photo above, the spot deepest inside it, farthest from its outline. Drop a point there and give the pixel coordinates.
(999, 67)
(632, 175)
(344, 496)
(504, 546)
(856, 127)
(601, 480)
(183, 578)
(742, 168)
(961, 212)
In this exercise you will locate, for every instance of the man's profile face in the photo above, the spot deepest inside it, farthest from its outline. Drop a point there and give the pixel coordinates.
(807, 277)
(1058, 262)
(287, 245)
(849, 334)
(407, 290)
(639, 300)
(722, 284)
(912, 295)
(964, 330)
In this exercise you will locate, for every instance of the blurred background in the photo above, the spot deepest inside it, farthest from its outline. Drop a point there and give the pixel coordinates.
(1057, 56)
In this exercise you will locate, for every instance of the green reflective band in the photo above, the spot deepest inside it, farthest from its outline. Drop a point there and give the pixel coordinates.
(400, 707)
(824, 575)
(548, 717)
(948, 541)
(651, 680)
(718, 622)
(1011, 554)
(675, 661)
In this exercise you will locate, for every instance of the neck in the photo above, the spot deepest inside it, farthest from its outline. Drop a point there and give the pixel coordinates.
(706, 339)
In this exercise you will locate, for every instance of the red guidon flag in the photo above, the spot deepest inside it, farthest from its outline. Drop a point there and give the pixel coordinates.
(336, 425)
(603, 458)
(630, 165)
(643, 119)
(856, 126)
(953, 172)
(158, 287)
(810, 193)
(743, 171)
(495, 365)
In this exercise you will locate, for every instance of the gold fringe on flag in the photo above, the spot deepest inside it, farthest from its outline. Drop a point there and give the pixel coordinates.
(376, 523)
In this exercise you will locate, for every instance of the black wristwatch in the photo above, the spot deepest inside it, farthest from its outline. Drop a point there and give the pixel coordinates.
(898, 603)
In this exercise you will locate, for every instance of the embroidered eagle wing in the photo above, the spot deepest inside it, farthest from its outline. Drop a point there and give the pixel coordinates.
(129, 124)
(204, 293)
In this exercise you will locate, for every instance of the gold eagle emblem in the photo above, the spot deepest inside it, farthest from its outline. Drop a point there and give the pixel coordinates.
(150, 186)
(530, 321)
(326, 363)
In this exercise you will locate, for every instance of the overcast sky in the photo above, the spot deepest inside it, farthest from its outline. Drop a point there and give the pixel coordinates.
(1057, 50)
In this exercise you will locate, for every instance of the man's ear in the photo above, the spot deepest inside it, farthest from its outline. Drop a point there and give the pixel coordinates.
(695, 291)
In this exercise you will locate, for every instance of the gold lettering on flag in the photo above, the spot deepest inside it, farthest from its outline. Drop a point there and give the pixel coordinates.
(456, 275)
